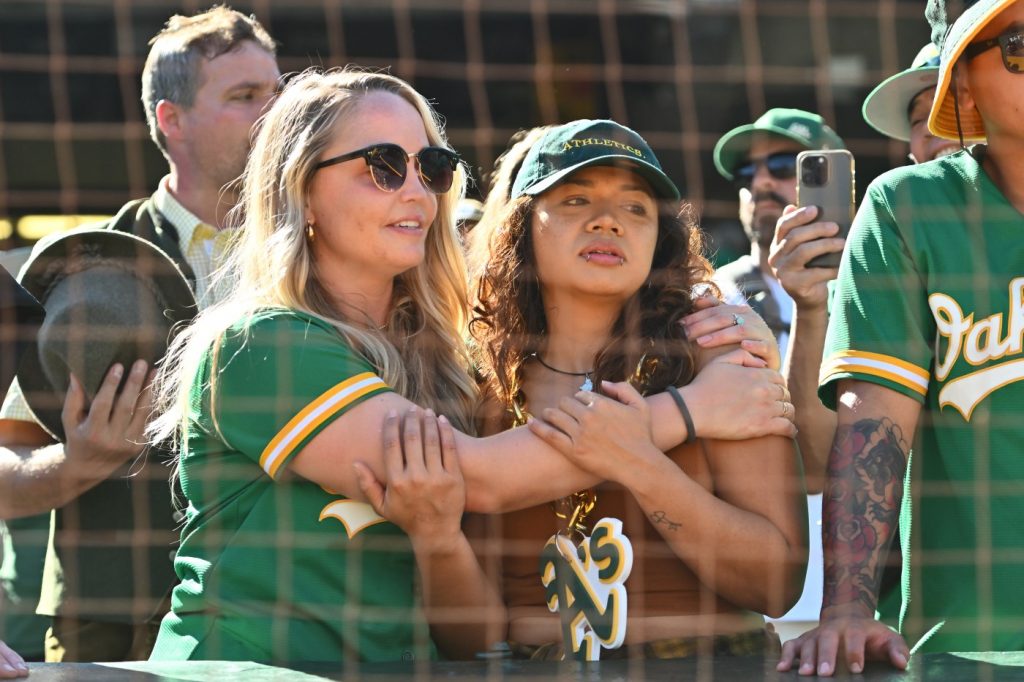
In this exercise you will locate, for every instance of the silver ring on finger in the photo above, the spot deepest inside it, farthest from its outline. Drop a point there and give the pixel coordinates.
(737, 319)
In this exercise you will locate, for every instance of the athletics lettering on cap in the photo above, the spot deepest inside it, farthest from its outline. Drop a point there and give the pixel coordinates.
(603, 142)
(800, 129)
(573, 146)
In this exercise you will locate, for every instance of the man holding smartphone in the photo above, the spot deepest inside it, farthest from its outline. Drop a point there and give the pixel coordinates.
(925, 347)
(898, 108)
(761, 160)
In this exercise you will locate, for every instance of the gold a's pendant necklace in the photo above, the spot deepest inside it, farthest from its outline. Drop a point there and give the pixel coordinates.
(573, 508)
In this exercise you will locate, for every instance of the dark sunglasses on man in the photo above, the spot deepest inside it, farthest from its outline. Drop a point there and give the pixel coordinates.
(780, 165)
(1011, 46)
(389, 163)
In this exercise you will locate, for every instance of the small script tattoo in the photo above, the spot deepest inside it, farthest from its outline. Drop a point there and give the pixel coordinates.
(660, 519)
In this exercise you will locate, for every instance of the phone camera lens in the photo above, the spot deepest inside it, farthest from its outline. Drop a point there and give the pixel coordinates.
(814, 171)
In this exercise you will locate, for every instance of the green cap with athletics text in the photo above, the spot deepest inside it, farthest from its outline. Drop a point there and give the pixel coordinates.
(568, 148)
(803, 127)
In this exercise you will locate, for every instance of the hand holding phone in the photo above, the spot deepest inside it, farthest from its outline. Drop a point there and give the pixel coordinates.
(825, 178)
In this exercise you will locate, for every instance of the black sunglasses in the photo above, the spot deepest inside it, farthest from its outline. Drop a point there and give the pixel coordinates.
(1011, 46)
(388, 164)
(781, 166)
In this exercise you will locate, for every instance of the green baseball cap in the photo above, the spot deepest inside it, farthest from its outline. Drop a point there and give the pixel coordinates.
(803, 127)
(567, 148)
(886, 109)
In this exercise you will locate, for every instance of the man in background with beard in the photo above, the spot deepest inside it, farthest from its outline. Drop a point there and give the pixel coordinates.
(760, 160)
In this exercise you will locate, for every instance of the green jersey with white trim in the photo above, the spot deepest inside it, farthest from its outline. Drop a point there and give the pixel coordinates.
(930, 303)
(272, 567)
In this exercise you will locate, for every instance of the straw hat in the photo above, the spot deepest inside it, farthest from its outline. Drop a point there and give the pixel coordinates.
(109, 297)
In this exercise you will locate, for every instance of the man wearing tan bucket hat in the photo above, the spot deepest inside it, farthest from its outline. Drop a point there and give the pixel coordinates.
(925, 351)
(108, 567)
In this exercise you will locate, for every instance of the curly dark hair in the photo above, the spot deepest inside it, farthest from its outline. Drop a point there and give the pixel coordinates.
(647, 344)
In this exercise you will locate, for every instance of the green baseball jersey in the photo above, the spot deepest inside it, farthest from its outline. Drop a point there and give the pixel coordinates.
(929, 304)
(272, 567)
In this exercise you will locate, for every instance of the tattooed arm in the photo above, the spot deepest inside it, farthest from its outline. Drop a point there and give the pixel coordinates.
(860, 510)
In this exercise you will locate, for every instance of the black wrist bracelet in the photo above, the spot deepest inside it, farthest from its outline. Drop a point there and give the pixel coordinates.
(691, 433)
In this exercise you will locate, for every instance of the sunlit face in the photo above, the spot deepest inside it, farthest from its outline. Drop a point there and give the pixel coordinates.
(234, 90)
(594, 234)
(360, 230)
(997, 94)
(761, 205)
(923, 145)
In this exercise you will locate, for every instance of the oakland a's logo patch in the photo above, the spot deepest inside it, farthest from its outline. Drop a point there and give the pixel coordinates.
(585, 584)
(354, 515)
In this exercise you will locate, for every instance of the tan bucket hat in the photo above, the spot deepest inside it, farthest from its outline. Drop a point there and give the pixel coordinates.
(953, 37)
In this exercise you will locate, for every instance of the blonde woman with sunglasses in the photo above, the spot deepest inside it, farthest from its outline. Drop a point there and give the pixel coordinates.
(349, 301)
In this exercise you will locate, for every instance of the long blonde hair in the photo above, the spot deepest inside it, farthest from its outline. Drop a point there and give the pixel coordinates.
(271, 265)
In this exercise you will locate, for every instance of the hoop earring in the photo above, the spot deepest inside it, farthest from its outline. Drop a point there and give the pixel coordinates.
(310, 232)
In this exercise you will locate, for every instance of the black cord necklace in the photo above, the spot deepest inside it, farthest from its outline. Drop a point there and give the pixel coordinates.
(587, 384)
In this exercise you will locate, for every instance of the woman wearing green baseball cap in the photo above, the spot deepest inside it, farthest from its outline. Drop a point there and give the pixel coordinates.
(591, 266)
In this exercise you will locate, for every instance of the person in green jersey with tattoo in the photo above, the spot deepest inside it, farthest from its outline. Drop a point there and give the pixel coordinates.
(924, 352)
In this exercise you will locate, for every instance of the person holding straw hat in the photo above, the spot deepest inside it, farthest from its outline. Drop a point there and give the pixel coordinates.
(924, 350)
(107, 573)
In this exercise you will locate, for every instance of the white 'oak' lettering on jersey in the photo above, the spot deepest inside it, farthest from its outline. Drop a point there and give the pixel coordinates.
(978, 343)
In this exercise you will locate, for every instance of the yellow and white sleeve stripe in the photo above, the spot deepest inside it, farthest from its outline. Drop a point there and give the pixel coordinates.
(313, 415)
(875, 364)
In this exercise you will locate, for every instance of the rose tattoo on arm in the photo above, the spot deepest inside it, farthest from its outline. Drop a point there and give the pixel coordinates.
(862, 507)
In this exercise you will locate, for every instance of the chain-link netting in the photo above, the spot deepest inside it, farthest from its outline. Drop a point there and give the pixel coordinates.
(681, 72)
